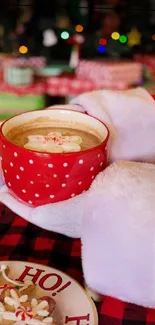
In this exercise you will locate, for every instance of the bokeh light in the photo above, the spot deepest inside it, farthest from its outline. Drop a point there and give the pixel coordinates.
(153, 37)
(64, 35)
(23, 49)
(123, 39)
(79, 28)
(115, 36)
(103, 41)
(101, 49)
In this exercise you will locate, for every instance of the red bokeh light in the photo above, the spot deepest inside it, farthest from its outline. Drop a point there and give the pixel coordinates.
(103, 41)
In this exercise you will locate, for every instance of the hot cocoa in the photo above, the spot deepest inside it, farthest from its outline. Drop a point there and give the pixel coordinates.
(52, 139)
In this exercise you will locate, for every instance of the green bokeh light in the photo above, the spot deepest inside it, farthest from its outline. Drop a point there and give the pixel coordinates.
(123, 39)
(65, 35)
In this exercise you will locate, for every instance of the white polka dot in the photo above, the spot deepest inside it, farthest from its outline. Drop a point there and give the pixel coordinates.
(36, 195)
(38, 174)
(67, 176)
(22, 168)
(81, 161)
(79, 183)
(101, 163)
(24, 191)
(3, 145)
(63, 185)
(31, 182)
(52, 196)
(5, 171)
(55, 175)
(1, 158)
(47, 185)
(93, 177)
(92, 168)
(9, 183)
(50, 165)
(30, 202)
(72, 194)
(98, 155)
(31, 161)
(15, 154)
(65, 164)
(11, 164)
(17, 176)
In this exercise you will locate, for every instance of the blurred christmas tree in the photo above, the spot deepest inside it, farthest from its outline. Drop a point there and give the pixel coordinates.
(111, 28)
(125, 29)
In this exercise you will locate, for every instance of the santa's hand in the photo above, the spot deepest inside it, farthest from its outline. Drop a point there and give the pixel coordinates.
(63, 217)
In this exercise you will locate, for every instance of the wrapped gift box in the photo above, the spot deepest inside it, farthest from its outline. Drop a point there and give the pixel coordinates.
(16, 100)
(128, 72)
(11, 104)
(18, 76)
(32, 62)
(54, 70)
(73, 86)
(148, 62)
(20, 71)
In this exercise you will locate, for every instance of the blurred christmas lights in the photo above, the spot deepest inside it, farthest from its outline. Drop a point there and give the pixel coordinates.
(79, 28)
(79, 39)
(123, 39)
(49, 38)
(103, 41)
(134, 37)
(64, 35)
(101, 49)
(115, 36)
(153, 37)
(23, 49)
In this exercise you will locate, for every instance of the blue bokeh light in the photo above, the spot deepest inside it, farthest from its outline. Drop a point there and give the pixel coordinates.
(101, 49)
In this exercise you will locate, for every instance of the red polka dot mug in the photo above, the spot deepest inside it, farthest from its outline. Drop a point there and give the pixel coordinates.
(38, 178)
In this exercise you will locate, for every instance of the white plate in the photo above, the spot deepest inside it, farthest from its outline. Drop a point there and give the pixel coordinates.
(73, 305)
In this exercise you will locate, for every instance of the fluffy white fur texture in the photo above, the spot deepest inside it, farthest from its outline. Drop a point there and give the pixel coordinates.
(118, 233)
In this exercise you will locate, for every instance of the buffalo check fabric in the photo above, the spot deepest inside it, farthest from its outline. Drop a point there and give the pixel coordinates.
(21, 240)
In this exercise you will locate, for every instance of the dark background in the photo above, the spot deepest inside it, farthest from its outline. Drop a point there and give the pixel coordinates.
(94, 15)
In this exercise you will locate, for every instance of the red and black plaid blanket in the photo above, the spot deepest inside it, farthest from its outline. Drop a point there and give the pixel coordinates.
(21, 240)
